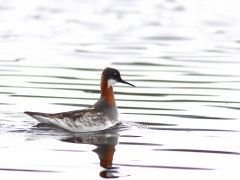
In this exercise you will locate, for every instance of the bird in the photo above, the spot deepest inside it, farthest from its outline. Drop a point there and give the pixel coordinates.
(100, 116)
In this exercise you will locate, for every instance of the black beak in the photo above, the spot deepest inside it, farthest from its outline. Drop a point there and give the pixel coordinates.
(125, 82)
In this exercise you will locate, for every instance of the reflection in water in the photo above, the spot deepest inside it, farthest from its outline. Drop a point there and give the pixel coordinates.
(105, 142)
(105, 153)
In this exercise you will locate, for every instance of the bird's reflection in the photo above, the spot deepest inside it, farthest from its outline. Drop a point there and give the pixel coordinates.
(105, 154)
(105, 142)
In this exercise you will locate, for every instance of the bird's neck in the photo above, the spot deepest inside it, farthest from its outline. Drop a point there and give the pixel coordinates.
(107, 92)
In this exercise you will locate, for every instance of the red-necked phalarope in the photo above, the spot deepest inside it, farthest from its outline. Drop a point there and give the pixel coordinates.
(102, 115)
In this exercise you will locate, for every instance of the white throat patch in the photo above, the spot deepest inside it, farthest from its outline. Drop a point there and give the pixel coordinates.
(111, 82)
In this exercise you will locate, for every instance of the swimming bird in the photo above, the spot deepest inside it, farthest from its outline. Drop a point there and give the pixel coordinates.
(100, 116)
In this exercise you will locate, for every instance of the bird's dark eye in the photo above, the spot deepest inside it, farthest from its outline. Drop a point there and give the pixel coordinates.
(114, 74)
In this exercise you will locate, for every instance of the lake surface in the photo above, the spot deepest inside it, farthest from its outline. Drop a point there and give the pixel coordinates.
(181, 121)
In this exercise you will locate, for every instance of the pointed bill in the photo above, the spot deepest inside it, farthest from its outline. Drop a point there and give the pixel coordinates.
(125, 82)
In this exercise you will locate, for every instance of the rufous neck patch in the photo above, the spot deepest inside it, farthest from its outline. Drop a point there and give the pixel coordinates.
(107, 92)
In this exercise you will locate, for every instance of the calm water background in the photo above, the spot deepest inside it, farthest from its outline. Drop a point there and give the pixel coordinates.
(180, 122)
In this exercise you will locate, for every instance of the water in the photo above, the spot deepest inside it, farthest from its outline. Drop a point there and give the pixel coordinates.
(181, 121)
